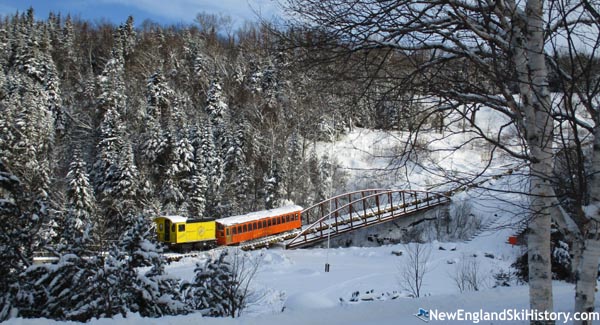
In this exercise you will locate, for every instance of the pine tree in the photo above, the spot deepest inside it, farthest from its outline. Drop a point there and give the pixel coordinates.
(186, 166)
(295, 182)
(55, 290)
(125, 190)
(212, 166)
(155, 148)
(112, 86)
(81, 206)
(215, 105)
(197, 194)
(159, 98)
(151, 293)
(325, 176)
(10, 240)
(237, 170)
(212, 282)
(218, 116)
(272, 188)
(171, 193)
(125, 38)
(315, 176)
(109, 146)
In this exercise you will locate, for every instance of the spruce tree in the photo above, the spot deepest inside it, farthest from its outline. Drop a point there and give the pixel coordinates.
(10, 240)
(81, 208)
(213, 280)
(151, 293)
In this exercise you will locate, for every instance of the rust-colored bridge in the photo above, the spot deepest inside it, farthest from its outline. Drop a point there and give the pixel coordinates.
(351, 211)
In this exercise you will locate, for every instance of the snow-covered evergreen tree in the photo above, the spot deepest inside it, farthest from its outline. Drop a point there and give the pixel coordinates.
(125, 38)
(315, 176)
(215, 104)
(159, 99)
(109, 146)
(151, 293)
(196, 201)
(295, 183)
(212, 282)
(112, 87)
(238, 173)
(170, 192)
(12, 263)
(56, 291)
(124, 193)
(212, 167)
(218, 116)
(155, 147)
(326, 177)
(81, 206)
(272, 188)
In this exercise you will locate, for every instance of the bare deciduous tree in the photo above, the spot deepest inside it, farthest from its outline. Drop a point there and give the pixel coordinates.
(244, 267)
(494, 54)
(413, 268)
(467, 275)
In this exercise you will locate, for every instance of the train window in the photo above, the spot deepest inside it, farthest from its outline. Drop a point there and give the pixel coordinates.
(181, 228)
(234, 230)
(245, 228)
(264, 223)
(278, 220)
(269, 222)
(259, 225)
(227, 231)
(297, 216)
(239, 229)
(254, 227)
(287, 218)
(172, 228)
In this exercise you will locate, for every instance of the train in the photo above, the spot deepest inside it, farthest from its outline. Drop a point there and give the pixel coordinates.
(184, 234)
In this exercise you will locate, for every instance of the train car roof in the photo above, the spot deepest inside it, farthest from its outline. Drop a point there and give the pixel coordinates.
(252, 216)
(175, 219)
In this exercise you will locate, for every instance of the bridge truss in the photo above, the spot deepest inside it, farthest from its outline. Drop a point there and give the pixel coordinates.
(351, 211)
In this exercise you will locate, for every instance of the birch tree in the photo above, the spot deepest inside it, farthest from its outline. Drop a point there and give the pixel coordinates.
(507, 43)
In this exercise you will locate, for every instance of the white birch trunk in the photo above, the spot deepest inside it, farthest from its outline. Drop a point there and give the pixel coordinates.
(587, 267)
(532, 76)
(587, 273)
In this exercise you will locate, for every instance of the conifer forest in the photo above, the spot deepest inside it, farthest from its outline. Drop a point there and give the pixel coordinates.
(105, 127)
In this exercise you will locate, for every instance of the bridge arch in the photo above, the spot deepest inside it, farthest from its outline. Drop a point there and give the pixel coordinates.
(350, 211)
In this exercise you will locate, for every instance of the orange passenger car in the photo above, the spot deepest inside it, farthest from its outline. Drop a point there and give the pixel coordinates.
(237, 229)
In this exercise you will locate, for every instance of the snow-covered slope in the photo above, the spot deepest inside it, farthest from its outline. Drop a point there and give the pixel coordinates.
(292, 287)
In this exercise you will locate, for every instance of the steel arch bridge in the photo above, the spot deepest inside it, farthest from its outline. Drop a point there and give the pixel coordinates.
(351, 211)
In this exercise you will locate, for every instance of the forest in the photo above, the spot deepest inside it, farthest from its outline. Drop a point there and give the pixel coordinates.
(105, 127)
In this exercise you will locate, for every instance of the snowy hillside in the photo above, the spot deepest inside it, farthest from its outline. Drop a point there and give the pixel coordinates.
(364, 285)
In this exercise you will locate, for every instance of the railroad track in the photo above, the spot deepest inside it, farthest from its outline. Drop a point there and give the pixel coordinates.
(249, 245)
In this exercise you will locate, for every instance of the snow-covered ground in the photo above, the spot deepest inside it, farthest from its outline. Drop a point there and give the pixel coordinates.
(294, 289)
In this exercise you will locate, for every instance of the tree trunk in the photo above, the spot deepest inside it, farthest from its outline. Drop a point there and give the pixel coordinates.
(538, 247)
(576, 252)
(587, 267)
(587, 273)
(532, 75)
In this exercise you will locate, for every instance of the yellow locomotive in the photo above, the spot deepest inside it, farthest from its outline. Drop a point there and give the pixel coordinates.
(184, 234)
